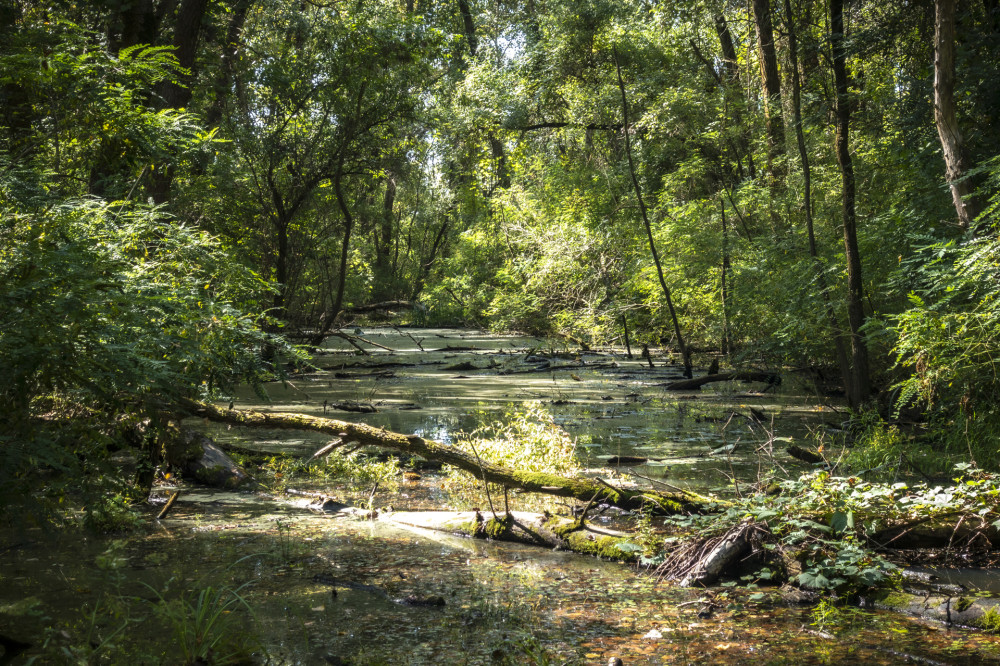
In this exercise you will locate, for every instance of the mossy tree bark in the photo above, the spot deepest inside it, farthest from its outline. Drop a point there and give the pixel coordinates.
(584, 490)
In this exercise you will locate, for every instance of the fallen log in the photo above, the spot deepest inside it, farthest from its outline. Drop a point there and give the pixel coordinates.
(581, 489)
(383, 305)
(805, 455)
(351, 406)
(523, 527)
(962, 609)
(736, 375)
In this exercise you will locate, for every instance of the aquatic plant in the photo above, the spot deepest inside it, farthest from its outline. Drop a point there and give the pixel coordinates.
(206, 624)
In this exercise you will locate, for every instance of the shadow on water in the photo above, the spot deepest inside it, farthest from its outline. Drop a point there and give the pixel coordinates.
(612, 406)
(335, 590)
(503, 603)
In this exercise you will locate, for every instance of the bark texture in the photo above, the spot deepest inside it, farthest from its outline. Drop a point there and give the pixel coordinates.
(771, 81)
(584, 490)
(946, 115)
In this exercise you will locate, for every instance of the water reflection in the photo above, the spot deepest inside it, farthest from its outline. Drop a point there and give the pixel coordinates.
(613, 406)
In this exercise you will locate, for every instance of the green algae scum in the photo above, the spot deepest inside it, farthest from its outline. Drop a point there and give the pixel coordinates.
(242, 577)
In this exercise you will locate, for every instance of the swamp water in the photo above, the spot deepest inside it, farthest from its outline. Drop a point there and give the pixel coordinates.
(327, 589)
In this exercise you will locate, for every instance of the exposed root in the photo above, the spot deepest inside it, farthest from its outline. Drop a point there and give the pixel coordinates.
(702, 561)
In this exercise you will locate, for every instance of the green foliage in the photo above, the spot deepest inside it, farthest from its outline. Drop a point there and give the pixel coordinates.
(111, 514)
(527, 440)
(820, 522)
(355, 470)
(209, 624)
(109, 307)
(948, 339)
(112, 303)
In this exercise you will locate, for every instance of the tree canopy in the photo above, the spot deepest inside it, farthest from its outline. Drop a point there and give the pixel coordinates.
(812, 183)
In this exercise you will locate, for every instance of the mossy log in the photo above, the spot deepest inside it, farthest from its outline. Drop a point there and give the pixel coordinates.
(963, 610)
(737, 375)
(523, 527)
(584, 490)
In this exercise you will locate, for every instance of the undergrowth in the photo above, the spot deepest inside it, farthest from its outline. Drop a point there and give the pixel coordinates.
(527, 439)
(821, 531)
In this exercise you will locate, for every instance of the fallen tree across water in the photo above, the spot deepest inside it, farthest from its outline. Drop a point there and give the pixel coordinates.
(582, 489)
(737, 375)
(789, 535)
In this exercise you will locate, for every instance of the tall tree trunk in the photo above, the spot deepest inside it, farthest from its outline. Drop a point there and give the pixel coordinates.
(426, 266)
(771, 81)
(858, 388)
(955, 160)
(469, 25)
(732, 69)
(685, 352)
(840, 350)
(345, 247)
(226, 77)
(383, 229)
(726, 336)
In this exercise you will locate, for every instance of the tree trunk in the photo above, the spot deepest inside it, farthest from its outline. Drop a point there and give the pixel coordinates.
(176, 93)
(955, 160)
(772, 90)
(685, 352)
(726, 332)
(345, 249)
(469, 26)
(858, 386)
(731, 64)
(585, 490)
(227, 77)
(838, 339)
(426, 266)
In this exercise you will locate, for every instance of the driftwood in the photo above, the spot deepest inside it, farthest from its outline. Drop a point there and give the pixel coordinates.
(736, 375)
(722, 557)
(168, 506)
(551, 484)
(546, 366)
(351, 406)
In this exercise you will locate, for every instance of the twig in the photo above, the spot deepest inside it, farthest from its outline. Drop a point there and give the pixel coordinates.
(169, 505)
(410, 336)
(583, 515)
(655, 481)
(325, 450)
(486, 484)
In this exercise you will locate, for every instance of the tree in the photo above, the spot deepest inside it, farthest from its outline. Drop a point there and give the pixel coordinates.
(858, 388)
(956, 160)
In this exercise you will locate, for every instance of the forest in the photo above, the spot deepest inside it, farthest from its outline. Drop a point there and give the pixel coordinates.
(203, 202)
